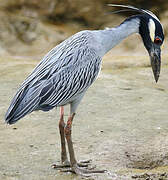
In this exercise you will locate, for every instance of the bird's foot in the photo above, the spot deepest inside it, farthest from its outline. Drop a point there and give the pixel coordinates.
(82, 168)
(85, 171)
(84, 163)
(66, 164)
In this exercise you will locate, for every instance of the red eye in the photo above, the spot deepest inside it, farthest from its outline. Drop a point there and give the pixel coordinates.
(157, 40)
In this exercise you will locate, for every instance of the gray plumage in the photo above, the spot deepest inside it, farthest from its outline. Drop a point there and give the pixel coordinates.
(68, 70)
(63, 76)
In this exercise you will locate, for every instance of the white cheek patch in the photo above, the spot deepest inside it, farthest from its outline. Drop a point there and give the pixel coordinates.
(152, 28)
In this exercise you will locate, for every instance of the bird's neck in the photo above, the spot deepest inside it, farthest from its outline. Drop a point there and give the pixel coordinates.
(113, 36)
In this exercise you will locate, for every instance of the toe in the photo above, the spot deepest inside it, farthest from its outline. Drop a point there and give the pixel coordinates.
(85, 172)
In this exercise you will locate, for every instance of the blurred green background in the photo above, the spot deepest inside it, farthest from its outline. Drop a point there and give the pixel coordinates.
(30, 28)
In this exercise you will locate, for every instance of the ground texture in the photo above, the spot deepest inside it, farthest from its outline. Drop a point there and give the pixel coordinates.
(121, 124)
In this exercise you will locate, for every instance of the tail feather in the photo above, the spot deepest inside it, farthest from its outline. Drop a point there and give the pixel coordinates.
(17, 115)
(14, 104)
(22, 104)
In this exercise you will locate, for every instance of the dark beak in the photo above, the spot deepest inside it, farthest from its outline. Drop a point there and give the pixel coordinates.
(155, 61)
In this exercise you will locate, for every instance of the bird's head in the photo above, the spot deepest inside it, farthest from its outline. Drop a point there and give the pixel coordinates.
(151, 32)
(152, 35)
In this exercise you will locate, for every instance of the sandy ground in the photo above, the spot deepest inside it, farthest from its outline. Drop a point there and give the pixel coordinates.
(121, 125)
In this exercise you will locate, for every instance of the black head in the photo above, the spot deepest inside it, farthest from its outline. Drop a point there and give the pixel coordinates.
(151, 32)
(152, 35)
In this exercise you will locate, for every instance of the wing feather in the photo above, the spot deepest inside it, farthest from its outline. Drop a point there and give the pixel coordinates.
(78, 78)
(65, 72)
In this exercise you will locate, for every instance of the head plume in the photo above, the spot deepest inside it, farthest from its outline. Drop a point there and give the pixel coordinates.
(132, 8)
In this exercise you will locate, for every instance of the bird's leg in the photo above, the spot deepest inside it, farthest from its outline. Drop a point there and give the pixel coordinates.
(68, 130)
(64, 159)
(75, 167)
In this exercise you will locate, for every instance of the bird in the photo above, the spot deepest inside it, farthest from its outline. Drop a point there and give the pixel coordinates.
(67, 71)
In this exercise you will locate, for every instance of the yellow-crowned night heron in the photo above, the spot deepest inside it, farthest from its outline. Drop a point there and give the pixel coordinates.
(68, 70)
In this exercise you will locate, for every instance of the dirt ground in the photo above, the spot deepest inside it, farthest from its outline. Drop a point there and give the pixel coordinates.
(121, 124)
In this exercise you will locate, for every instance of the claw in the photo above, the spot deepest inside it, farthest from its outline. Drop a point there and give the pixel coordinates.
(55, 166)
(84, 163)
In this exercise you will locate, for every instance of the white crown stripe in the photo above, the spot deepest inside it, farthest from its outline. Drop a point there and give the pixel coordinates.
(152, 28)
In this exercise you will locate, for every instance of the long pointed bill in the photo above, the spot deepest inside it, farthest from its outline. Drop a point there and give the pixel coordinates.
(155, 63)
